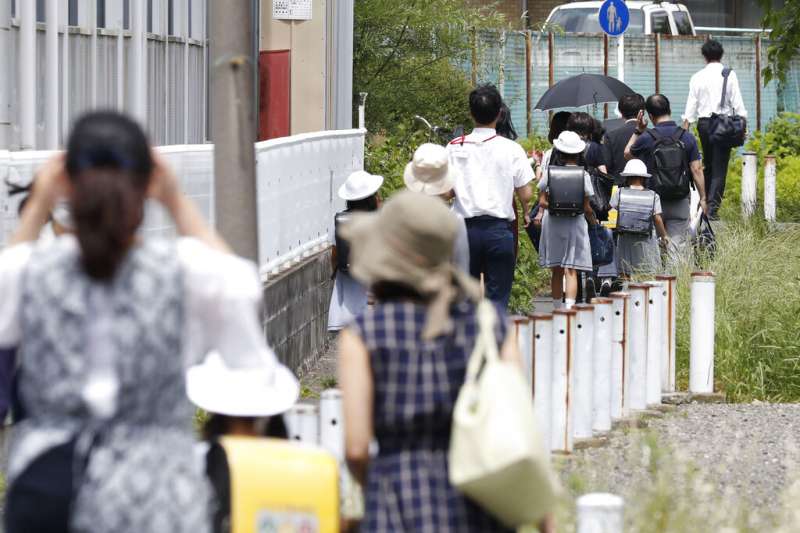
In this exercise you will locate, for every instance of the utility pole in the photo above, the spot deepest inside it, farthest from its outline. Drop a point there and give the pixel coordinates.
(233, 115)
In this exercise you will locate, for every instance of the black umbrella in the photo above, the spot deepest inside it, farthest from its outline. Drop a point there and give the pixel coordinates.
(583, 90)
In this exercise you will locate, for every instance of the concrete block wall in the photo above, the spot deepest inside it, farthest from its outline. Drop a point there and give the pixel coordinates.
(295, 314)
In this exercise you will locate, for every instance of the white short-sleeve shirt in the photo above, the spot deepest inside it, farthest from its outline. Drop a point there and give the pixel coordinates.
(491, 168)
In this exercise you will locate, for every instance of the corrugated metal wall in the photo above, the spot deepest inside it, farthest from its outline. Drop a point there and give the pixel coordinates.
(679, 59)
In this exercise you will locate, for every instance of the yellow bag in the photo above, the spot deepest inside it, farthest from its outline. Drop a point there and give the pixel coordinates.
(280, 486)
(497, 457)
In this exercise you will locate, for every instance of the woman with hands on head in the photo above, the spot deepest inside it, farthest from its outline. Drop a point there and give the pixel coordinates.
(107, 322)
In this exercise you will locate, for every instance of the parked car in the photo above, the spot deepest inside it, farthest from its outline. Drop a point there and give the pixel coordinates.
(646, 17)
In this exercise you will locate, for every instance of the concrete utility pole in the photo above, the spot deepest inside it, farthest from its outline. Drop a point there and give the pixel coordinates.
(233, 115)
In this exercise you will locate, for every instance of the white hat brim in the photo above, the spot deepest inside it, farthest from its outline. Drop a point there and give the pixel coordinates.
(435, 188)
(566, 149)
(374, 185)
(635, 175)
(242, 392)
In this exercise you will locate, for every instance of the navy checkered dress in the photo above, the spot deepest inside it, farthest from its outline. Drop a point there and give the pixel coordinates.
(416, 386)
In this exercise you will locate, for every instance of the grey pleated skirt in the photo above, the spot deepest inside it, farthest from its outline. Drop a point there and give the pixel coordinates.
(638, 254)
(565, 243)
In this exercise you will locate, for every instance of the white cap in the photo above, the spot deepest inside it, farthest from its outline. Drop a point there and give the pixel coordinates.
(253, 392)
(359, 185)
(569, 142)
(635, 168)
(430, 171)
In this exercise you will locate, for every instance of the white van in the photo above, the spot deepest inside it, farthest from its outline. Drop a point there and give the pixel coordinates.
(647, 17)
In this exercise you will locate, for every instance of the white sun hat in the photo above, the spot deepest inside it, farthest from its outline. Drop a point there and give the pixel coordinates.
(252, 392)
(359, 185)
(635, 168)
(569, 142)
(430, 171)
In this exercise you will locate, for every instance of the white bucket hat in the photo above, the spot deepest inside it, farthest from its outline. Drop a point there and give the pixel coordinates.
(635, 168)
(359, 185)
(430, 171)
(569, 142)
(251, 392)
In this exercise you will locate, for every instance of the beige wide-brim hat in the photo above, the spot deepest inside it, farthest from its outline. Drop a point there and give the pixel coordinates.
(569, 142)
(430, 171)
(359, 185)
(251, 392)
(635, 168)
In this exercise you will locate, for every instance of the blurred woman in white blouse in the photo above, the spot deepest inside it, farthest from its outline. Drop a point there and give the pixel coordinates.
(107, 324)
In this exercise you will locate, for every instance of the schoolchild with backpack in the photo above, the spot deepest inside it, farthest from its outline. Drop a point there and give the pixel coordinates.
(349, 298)
(638, 214)
(564, 193)
(673, 160)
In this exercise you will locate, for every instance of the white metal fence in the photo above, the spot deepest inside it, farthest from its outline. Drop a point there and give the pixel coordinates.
(297, 180)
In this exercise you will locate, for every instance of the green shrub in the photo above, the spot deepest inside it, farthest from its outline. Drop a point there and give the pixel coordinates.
(757, 313)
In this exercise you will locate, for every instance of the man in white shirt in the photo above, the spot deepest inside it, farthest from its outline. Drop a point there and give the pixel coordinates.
(492, 169)
(705, 94)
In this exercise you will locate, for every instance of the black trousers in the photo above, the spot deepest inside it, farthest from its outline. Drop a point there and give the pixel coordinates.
(715, 167)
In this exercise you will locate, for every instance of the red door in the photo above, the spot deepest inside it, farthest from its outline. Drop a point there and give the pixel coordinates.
(274, 103)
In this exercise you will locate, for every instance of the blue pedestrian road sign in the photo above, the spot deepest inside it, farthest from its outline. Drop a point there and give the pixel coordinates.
(614, 17)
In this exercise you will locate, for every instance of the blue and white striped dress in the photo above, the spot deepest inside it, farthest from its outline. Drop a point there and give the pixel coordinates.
(416, 384)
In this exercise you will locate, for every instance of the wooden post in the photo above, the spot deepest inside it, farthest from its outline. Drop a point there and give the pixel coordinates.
(658, 63)
(758, 82)
(528, 80)
(605, 69)
(474, 46)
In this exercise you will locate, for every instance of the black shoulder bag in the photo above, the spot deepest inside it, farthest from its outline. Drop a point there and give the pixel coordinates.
(727, 130)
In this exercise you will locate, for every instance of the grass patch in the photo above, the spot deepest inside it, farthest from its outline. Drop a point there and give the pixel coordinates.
(757, 352)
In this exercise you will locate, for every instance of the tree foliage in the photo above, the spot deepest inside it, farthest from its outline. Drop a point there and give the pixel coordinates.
(406, 56)
(785, 37)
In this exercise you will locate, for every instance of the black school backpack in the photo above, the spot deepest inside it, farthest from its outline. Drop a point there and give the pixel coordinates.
(670, 168)
(342, 246)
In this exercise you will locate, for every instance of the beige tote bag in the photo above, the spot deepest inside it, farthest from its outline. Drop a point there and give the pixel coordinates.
(497, 457)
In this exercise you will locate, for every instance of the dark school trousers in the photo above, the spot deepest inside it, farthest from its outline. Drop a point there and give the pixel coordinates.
(715, 167)
(491, 253)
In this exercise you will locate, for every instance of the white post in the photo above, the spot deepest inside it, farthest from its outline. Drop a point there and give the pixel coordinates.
(543, 304)
(303, 423)
(749, 182)
(620, 360)
(139, 60)
(27, 74)
(584, 372)
(600, 513)
(331, 423)
(501, 75)
(621, 58)
(543, 372)
(770, 184)
(51, 99)
(655, 341)
(701, 353)
(668, 384)
(563, 346)
(603, 327)
(522, 333)
(637, 377)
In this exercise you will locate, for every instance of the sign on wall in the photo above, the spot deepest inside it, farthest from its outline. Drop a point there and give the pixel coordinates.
(291, 9)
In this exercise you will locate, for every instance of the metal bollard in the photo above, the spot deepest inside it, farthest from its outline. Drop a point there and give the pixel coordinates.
(543, 372)
(584, 372)
(603, 326)
(701, 352)
(600, 513)
(749, 183)
(303, 423)
(637, 377)
(522, 332)
(770, 185)
(668, 383)
(655, 344)
(620, 360)
(561, 410)
(331, 423)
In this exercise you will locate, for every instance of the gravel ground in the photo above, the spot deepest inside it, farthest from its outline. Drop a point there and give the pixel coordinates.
(748, 453)
(322, 374)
